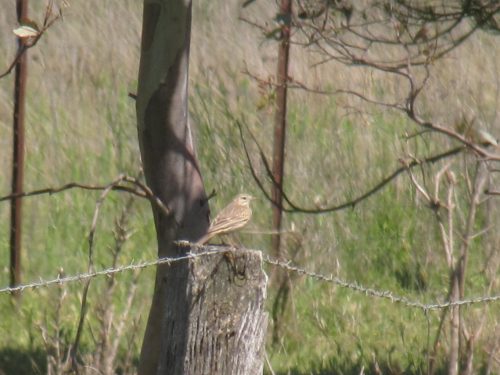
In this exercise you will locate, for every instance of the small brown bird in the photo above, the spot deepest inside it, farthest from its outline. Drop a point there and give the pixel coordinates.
(233, 217)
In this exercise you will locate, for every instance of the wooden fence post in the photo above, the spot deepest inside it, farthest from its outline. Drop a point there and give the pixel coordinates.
(223, 322)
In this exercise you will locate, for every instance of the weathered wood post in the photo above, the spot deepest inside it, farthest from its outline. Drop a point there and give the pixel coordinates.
(225, 317)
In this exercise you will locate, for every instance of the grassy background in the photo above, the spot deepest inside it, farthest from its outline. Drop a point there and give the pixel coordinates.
(81, 127)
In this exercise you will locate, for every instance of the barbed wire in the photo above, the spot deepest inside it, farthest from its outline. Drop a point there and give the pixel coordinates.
(384, 294)
(284, 264)
(106, 272)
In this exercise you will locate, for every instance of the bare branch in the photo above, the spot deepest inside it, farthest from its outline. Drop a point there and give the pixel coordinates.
(84, 307)
(48, 21)
(68, 186)
(295, 208)
(144, 191)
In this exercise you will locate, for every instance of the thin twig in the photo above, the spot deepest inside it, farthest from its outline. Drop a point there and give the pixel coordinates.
(84, 306)
(47, 23)
(145, 192)
(295, 208)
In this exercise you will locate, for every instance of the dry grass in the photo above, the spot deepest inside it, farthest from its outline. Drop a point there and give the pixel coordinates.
(81, 127)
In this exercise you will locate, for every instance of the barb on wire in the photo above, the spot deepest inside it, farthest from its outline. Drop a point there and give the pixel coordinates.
(106, 272)
(286, 265)
(384, 294)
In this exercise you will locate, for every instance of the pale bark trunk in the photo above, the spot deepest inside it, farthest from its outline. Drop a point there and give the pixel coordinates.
(169, 163)
(205, 318)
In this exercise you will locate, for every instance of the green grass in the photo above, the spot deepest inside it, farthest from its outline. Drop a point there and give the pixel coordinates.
(81, 127)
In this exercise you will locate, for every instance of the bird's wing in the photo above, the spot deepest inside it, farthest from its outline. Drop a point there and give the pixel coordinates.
(228, 223)
(227, 212)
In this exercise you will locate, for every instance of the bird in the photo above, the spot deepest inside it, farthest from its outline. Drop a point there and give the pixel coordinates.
(234, 216)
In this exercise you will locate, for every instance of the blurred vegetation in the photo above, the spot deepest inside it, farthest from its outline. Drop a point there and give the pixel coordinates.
(81, 127)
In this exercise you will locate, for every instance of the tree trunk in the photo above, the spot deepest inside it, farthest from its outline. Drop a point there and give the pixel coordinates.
(16, 217)
(207, 314)
(280, 125)
(169, 162)
(279, 277)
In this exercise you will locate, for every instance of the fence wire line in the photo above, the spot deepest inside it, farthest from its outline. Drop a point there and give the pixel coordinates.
(286, 265)
(384, 294)
(106, 272)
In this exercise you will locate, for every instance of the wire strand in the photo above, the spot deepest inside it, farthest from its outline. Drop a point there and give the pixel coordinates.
(286, 265)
